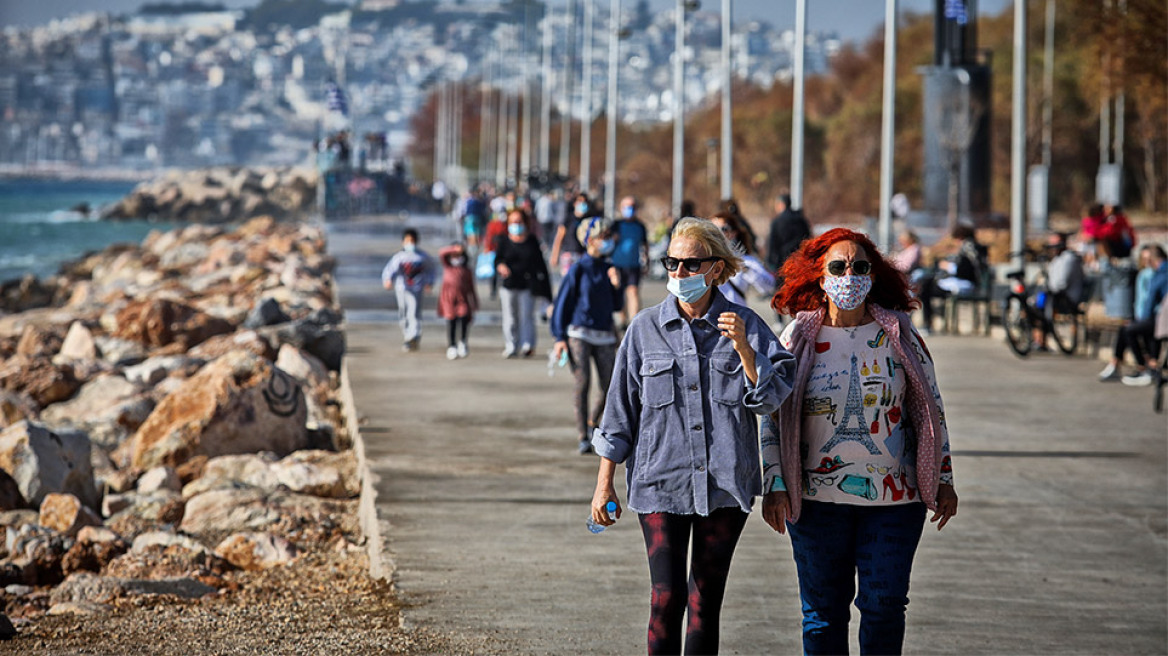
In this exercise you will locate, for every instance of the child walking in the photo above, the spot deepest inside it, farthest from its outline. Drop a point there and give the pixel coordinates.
(582, 321)
(457, 298)
(409, 273)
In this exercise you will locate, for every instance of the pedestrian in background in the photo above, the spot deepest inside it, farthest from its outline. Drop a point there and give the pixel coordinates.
(754, 274)
(457, 298)
(582, 322)
(788, 230)
(410, 274)
(857, 453)
(519, 261)
(566, 248)
(691, 376)
(1138, 334)
(631, 256)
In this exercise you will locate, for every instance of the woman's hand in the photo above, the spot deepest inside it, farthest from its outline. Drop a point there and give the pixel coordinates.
(558, 350)
(503, 270)
(946, 505)
(734, 329)
(776, 508)
(600, 499)
(614, 277)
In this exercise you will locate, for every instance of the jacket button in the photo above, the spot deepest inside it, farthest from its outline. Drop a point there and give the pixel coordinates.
(701, 468)
(697, 427)
(693, 388)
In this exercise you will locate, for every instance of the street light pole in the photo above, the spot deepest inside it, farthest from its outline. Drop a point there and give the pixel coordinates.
(611, 111)
(888, 126)
(727, 118)
(545, 105)
(678, 107)
(586, 103)
(797, 110)
(1018, 139)
(569, 82)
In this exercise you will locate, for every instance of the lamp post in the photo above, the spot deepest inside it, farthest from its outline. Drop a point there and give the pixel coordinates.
(1018, 139)
(586, 103)
(888, 126)
(727, 119)
(797, 110)
(679, 100)
(569, 68)
(614, 36)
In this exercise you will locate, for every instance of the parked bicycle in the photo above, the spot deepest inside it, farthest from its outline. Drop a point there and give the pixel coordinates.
(1027, 310)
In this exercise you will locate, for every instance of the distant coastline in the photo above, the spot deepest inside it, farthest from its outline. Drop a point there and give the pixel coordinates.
(71, 172)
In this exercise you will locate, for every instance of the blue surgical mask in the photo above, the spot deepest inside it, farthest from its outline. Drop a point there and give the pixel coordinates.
(581, 208)
(688, 289)
(409, 247)
(607, 246)
(515, 228)
(628, 211)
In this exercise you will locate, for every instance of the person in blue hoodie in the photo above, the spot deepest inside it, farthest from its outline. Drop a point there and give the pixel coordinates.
(409, 274)
(582, 323)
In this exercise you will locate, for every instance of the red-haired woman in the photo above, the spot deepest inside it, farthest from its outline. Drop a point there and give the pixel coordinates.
(859, 450)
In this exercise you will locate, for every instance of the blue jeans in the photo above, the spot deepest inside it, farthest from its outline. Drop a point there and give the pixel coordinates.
(833, 543)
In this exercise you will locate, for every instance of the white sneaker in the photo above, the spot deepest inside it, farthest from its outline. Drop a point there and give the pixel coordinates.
(508, 352)
(451, 353)
(1110, 373)
(1142, 379)
(461, 350)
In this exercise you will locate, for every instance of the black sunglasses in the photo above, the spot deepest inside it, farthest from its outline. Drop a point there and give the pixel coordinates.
(691, 264)
(859, 267)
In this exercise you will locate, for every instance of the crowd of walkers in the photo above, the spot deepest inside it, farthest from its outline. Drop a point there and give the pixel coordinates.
(837, 423)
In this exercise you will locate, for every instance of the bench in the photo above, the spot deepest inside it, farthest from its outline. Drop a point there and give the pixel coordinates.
(980, 299)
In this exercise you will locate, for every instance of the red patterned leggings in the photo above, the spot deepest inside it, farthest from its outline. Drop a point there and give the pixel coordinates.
(700, 591)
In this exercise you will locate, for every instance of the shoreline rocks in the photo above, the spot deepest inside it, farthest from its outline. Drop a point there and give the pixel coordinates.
(216, 195)
(169, 420)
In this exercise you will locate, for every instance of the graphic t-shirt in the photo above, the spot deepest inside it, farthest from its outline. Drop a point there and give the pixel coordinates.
(857, 449)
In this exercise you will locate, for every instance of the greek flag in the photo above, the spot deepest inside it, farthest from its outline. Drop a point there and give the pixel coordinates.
(955, 10)
(336, 99)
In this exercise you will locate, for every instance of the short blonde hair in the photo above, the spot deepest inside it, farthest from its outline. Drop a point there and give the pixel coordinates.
(710, 236)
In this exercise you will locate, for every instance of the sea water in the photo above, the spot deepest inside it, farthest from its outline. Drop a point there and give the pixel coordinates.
(39, 230)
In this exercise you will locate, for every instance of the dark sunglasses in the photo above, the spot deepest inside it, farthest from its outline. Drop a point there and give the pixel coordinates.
(859, 267)
(691, 264)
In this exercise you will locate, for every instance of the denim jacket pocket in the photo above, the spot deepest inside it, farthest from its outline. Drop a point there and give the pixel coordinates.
(657, 382)
(726, 380)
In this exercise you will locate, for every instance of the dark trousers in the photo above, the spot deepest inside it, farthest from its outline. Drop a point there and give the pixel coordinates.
(583, 355)
(457, 324)
(1139, 336)
(833, 543)
(700, 591)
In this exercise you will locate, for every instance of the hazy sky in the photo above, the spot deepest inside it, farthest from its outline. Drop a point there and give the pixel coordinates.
(853, 19)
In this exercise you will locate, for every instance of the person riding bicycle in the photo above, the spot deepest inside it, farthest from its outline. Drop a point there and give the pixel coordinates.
(1064, 282)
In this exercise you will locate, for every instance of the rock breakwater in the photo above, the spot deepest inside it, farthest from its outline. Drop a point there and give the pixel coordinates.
(170, 422)
(220, 195)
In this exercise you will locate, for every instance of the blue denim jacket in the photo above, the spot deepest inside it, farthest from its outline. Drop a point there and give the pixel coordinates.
(681, 413)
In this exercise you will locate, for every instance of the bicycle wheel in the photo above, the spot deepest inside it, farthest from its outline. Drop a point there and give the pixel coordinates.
(1016, 321)
(1065, 328)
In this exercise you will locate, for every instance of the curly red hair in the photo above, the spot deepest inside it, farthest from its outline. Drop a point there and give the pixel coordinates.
(803, 270)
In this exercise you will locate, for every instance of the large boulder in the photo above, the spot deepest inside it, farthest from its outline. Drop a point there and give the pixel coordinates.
(255, 551)
(42, 462)
(109, 408)
(64, 514)
(159, 322)
(95, 548)
(39, 341)
(16, 407)
(79, 343)
(39, 378)
(239, 403)
(10, 496)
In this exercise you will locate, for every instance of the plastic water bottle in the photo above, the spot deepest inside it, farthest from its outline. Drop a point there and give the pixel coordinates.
(553, 362)
(610, 508)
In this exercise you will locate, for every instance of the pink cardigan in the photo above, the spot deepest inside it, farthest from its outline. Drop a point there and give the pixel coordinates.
(921, 407)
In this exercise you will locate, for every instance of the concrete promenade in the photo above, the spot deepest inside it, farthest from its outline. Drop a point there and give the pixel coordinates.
(1059, 546)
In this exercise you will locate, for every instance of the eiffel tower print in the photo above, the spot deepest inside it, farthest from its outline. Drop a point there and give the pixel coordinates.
(853, 408)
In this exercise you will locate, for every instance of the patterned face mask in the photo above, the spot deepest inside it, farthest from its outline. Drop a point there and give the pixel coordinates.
(847, 292)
